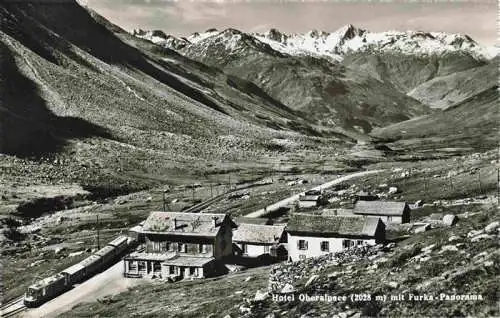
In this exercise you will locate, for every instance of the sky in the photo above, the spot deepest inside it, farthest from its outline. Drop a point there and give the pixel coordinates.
(476, 18)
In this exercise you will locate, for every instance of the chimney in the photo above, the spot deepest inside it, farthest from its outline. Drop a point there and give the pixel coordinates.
(174, 224)
(214, 219)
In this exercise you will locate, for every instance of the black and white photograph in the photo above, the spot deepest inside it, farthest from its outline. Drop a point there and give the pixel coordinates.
(249, 158)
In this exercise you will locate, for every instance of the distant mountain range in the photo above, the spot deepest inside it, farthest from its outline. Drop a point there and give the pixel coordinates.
(350, 79)
(346, 40)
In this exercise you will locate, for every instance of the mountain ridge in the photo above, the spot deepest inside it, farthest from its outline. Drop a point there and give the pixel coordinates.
(349, 39)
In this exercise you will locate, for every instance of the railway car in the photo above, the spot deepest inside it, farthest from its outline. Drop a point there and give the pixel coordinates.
(107, 254)
(45, 289)
(121, 244)
(75, 274)
(92, 265)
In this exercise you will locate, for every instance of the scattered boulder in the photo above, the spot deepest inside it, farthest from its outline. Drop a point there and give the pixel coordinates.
(393, 190)
(481, 237)
(488, 263)
(35, 263)
(76, 253)
(423, 228)
(419, 203)
(249, 278)
(424, 258)
(58, 250)
(243, 309)
(261, 295)
(428, 248)
(474, 233)
(450, 219)
(288, 289)
(490, 228)
(454, 238)
(393, 285)
(449, 248)
(333, 275)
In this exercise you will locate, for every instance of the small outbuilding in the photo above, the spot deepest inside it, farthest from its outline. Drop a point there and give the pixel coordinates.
(255, 240)
(388, 212)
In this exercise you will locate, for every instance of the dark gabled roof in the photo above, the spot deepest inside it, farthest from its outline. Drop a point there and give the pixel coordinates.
(246, 220)
(333, 225)
(256, 233)
(379, 208)
(195, 224)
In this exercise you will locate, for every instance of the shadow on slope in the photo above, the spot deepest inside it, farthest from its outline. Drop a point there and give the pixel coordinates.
(75, 25)
(27, 126)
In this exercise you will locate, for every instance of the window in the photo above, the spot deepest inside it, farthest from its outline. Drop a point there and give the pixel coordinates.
(244, 248)
(266, 248)
(168, 246)
(132, 266)
(325, 246)
(156, 267)
(171, 270)
(142, 266)
(302, 244)
(347, 243)
(360, 242)
(181, 248)
(302, 256)
(193, 271)
(202, 248)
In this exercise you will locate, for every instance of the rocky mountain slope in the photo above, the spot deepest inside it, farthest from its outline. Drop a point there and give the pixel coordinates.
(325, 91)
(351, 79)
(470, 123)
(102, 107)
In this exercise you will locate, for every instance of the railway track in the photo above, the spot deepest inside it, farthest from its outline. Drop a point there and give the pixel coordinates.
(13, 307)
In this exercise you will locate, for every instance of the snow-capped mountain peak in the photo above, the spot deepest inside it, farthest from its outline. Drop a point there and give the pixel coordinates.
(347, 39)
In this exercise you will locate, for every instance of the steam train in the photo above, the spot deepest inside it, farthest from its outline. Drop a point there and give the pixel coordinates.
(50, 287)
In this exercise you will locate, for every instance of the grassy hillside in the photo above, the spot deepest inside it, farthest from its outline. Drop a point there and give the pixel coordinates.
(406, 72)
(448, 90)
(471, 123)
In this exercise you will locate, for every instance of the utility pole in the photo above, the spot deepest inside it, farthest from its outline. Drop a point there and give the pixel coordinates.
(211, 191)
(164, 201)
(479, 180)
(229, 182)
(498, 186)
(425, 185)
(98, 242)
(192, 190)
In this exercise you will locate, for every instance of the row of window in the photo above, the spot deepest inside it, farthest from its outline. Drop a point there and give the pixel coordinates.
(325, 245)
(143, 266)
(178, 247)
